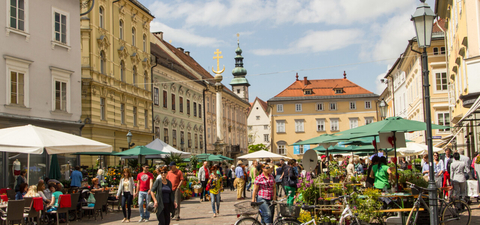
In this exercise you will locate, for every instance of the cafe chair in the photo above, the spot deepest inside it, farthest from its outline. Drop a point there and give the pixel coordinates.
(28, 202)
(64, 205)
(75, 197)
(11, 194)
(30, 212)
(13, 214)
(100, 201)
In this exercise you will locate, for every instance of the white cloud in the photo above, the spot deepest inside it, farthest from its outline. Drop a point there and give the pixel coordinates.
(183, 36)
(318, 41)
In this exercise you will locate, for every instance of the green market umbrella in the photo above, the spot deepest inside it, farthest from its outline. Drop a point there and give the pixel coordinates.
(139, 151)
(210, 157)
(225, 157)
(54, 168)
(317, 140)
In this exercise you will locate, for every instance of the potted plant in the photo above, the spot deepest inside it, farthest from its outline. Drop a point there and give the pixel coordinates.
(325, 178)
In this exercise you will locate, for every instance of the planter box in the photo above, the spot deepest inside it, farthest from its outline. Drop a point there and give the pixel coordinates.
(336, 180)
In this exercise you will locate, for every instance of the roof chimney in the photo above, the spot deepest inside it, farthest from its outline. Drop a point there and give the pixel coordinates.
(344, 75)
(296, 77)
(187, 53)
(180, 49)
(159, 34)
(305, 81)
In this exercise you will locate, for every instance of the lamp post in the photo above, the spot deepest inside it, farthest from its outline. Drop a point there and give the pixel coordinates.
(383, 108)
(423, 22)
(129, 139)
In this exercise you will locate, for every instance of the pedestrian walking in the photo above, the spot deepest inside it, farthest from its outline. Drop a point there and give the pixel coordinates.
(76, 178)
(214, 187)
(278, 180)
(163, 197)
(231, 177)
(203, 176)
(175, 176)
(264, 191)
(458, 170)
(240, 180)
(126, 189)
(290, 178)
(145, 182)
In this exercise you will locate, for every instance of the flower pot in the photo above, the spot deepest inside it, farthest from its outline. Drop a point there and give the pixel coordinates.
(321, 202)
(336, 180)
(326, 180)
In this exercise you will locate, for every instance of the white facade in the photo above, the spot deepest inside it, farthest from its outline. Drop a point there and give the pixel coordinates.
(259, 129)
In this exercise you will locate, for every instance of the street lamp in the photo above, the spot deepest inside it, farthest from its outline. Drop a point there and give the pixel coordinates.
(423, 22)
(129, 139)
(383, 108)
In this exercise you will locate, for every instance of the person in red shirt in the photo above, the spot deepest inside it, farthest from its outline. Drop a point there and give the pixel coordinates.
(176, 177)
(145, 182)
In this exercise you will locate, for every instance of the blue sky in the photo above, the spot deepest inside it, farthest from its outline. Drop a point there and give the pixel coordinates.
(318, 39)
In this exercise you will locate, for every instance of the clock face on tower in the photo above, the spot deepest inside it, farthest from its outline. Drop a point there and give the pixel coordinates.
(86, 6)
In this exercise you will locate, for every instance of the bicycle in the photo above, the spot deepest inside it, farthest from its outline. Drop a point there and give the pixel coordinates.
(347, 212)
(453, 212)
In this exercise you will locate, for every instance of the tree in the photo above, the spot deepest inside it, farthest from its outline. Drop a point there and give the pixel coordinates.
(257, 147)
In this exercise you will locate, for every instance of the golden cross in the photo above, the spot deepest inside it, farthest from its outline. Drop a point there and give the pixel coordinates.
(218, 57)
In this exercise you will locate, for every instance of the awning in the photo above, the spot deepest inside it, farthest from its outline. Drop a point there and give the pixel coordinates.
(452, 137)
(472, 109)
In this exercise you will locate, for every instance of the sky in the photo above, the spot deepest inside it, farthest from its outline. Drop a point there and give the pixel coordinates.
(318, 39)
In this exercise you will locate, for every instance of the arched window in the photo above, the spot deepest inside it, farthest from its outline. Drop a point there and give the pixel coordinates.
(122, 71)
(101, 22)
(145, 80)
(133, 36)
(121, 29)
(134, 73)
(103, 62)
(144, 42)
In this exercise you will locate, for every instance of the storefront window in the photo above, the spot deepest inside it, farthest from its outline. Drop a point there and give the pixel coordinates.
(37, 167)
(67, 163)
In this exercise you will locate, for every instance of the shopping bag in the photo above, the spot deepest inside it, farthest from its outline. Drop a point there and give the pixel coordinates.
(472, 187)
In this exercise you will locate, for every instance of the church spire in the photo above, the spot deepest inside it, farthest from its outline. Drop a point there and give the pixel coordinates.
(239, 83)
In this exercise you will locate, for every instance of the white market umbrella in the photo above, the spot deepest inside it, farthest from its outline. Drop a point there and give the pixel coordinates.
(31, 139)
(262, 154)
(415, 149)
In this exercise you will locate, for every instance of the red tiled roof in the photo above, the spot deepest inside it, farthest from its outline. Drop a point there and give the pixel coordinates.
(441, 23)
(323, 87)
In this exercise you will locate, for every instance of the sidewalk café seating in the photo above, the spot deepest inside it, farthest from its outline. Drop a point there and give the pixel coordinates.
(10, 194)
(13, 213)
(100, 201)
(113, 202)
(64, 204)
(75, 197)
(28, 201)
(31, 210)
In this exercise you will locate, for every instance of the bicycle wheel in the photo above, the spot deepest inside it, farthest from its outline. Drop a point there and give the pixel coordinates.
(287, 222)
(412, 216)
(457, 212)
(247, 221)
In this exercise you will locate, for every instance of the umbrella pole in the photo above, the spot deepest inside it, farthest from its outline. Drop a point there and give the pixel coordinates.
(28, 168)
(396, 160)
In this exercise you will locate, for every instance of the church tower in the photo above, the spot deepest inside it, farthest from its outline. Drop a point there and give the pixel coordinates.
(239, 83)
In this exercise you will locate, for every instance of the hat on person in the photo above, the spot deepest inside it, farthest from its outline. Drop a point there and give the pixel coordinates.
(239, 162)
(233, 166)
(173, 163)
(324, 156)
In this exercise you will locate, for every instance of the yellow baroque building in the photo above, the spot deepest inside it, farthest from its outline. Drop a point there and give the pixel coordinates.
(309, 108)
(116, 75)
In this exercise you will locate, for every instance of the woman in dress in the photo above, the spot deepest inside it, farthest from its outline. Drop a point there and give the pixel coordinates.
(126, 190)
(163, 198)
(264, 191)
(457, 170)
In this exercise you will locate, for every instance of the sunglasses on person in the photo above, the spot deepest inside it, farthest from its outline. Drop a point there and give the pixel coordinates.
(267, 167)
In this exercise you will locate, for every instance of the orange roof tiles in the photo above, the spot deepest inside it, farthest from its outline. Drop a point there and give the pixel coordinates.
(441, 23)
(323, 87)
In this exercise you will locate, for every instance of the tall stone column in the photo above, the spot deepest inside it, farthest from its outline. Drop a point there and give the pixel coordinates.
(219, 110)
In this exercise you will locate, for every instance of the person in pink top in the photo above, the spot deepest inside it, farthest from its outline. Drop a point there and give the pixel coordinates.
(264, 190)
(145, 182)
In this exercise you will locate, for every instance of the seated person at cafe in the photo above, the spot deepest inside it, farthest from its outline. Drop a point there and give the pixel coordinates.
(32, 192)
(41, 191)
(96, 186)
(22, 191)
(52, 206)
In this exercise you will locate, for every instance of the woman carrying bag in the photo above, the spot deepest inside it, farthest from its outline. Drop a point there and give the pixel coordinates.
(163, 198)
(291, 181)
(126, 190)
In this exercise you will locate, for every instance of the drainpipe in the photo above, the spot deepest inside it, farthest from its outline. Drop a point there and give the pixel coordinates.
(204, 123)
(152, 96)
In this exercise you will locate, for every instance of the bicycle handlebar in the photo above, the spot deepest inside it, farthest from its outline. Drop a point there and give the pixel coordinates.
(412, 185)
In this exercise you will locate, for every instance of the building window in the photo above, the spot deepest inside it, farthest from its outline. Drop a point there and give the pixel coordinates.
(17, 14)
(156, 96)
(299, 126)
(319, 107)
(189, 140)
(300, 148)
(200, 137)
(61, 21)
(174, 138)
(134, 75)
(258, 117)
(135, 117)
(353, 123)
(195, 144)
(333, 106)
(17, 88)
(102, 109)
(444, 120)
(188, 107)
(133, 36)
(368, 105)
(61, 96)
(368, 120)
(265, 138)
(435, 51)
(144, 43)
(157, 132)
(173, 101)
(334, 124)
(281, 150)
(281, 126)
(199, 110)
(353, 105)
(195, 109)
(250, 138)
(122, 113)
(122, 71)
(165, 101)
(441, 81)
(165, 135)
(182, 139)
(338, 91)
(145, 118)
(307, 91)
(101, 20)
(320, 125)
(238, 91)
(103, 62)
(442, 50)
(145, 80)
(180, 100)
(298, 107)
(265, 127)
(279, 107)
(120, 33)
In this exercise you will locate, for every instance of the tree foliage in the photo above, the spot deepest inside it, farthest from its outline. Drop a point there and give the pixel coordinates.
(257, 147)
